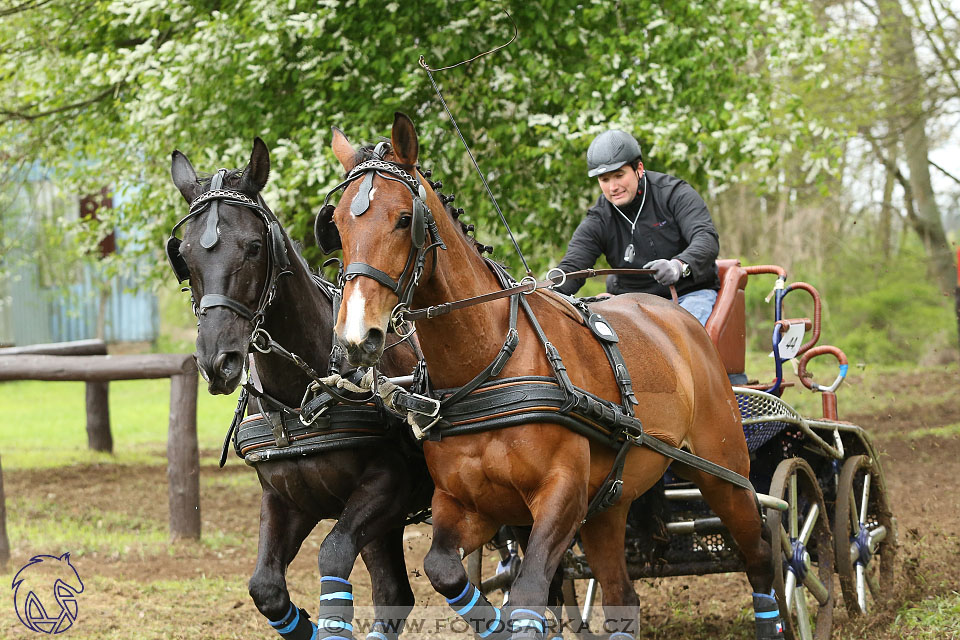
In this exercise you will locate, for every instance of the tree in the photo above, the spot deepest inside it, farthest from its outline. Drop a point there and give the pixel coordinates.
(104, 91)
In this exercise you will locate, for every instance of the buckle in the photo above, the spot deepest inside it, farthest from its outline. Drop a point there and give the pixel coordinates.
(423, 405)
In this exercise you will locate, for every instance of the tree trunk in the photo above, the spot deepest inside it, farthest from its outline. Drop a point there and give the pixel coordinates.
(907, 94)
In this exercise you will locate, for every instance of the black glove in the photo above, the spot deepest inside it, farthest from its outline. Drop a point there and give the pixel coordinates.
(667, 272)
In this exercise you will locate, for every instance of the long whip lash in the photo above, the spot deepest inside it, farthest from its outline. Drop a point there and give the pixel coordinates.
(483, 179)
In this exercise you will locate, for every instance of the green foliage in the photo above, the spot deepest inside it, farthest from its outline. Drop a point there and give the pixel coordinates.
(875, 311)
(103, 92)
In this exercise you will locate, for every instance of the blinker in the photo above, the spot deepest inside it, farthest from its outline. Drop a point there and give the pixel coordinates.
(211, 233)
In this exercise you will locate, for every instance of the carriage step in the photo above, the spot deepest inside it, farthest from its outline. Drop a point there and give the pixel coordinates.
(694, 494)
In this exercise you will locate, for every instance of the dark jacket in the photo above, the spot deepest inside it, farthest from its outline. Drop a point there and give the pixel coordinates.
(674, 223)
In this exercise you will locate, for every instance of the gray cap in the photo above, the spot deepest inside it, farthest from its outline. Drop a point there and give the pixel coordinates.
(611, 150)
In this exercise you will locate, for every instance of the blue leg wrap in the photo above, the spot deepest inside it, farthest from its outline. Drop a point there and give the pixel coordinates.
(295, 625)
(385, 629)
(484, 618)
(769, 626)
(335, 616)
(527, 624)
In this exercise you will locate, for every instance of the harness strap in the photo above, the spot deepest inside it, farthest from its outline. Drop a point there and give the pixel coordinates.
(355, 269)
(509, 346)
(556, 362)
(612, 487)
(212, 300)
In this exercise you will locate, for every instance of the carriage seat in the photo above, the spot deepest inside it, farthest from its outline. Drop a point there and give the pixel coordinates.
(727, 324)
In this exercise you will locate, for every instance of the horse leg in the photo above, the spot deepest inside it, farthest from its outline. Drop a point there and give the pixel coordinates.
(456, 534)
(557, 513)
(374, 508)
(602, 538)
(738, 511)
(392, 596)
(282, 531)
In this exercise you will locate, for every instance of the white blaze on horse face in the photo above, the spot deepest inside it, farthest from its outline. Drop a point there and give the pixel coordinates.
(355, 328)
(370, 195)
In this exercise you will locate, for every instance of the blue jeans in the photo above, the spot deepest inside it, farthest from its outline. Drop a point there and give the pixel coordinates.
(699, 303)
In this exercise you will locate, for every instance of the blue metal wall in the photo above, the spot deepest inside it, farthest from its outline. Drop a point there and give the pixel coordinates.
(38, 315)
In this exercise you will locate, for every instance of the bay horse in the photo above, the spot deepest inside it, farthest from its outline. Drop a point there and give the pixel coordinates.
(232, 254)
(539, 473)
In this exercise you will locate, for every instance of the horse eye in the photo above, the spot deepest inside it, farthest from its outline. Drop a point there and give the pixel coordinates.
(404, 222)
(253, 249)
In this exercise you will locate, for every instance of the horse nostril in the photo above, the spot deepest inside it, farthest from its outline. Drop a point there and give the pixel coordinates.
(373, 342)
(228, 364)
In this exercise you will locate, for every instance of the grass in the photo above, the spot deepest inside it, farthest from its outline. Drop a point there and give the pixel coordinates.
(934, 618)
(44, 423)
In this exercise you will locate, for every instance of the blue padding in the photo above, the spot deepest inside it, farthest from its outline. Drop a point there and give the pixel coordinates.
(473, 601)
(843, 370)
(329, 624)
(334, 579)
(523, 623)
(767, 614)
(315, 633)
(462, 593)
(286, 617)
(290, 627)
(338, 595)
(530, 611)
(492, 626)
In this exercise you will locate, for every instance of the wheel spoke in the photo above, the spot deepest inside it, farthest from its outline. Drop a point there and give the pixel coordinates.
(803, 615)
(794, 507)
(865, 500)
(790, 589)
(874, 583)
(809, 523)
(861, 588)
(817, 589)
(854, 514)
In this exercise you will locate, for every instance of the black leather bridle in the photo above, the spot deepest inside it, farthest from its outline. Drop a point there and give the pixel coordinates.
(422, 226)
(277, 259)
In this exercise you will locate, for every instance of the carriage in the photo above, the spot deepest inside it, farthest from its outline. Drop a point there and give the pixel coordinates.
(815, 496)
(819, 481)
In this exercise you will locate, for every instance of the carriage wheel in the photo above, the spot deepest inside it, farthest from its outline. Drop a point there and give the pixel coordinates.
(803, 568)
(864, 535)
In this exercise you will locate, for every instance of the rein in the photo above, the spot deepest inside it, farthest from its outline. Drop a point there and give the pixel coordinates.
(526, 286)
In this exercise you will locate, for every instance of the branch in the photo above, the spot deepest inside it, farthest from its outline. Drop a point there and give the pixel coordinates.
(943, 171)
(21, 115)
(26, 6)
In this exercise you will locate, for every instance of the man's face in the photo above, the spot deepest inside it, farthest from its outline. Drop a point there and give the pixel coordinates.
(620, 186)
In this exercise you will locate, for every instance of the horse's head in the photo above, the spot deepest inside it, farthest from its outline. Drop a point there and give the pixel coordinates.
(231, 252)
(384, 221)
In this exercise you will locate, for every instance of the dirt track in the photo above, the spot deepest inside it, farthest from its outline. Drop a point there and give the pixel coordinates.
(921, 473)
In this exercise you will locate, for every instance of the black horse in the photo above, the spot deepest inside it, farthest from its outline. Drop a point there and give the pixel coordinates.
(245, 274)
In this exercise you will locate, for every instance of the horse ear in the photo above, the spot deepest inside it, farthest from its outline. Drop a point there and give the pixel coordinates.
(257, 173)
(404, 139)
(184, 176)
(344, 151)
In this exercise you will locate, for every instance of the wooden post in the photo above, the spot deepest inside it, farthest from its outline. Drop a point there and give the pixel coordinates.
(98, 403)
(4, 541)
(956, 296)
(99, 437)
(183, 457)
